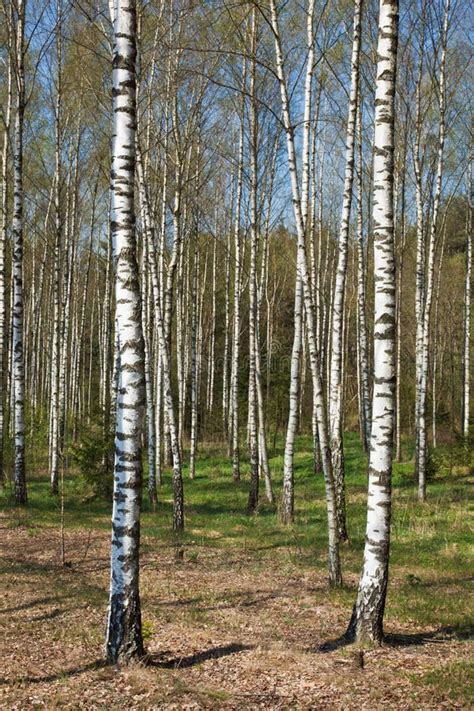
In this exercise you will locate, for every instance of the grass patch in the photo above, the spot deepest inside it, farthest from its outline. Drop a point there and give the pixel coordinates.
(454, 681)
(431, 554)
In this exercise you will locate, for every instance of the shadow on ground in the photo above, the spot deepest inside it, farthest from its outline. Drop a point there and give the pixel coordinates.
(442, 634)
(76, 671)
(160, 660)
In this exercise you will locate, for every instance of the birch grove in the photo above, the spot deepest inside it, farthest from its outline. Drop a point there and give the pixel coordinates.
(232, 245)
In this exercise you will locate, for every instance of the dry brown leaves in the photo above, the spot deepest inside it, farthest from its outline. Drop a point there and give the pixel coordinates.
(222, 631)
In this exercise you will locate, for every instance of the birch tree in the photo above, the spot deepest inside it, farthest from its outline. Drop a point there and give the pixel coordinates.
(426, 271)
(336, 419)
(164, 357)
(235, 362)
(252, 394)
(194, 358)
(54, 438)
(124, 635)
(3, 237)
(362, 340)
(335, 577)
(287, 504)
(18, 376)
(467, 310)
(367, 616)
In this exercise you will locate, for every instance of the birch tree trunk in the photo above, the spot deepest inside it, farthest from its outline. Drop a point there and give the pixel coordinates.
(18, 370)
(225, 358)
(173, 262)
(3, 243)
(194, 360)
(55, 356)
(212, 345)
(178, 495)
(107, 347)
(467, 311)
(421, 451)
(124, 636)
(77, 348)
(367, 617)
(335, 577)
(150, 408)
(235, 362)
(287, 503)
(363, 348)
(262, 287)
(181, 321)
(336, 420)
(252, 395)
(420, 235)
(401, 255)
(159, 297)
(436, 336)
(145, 273)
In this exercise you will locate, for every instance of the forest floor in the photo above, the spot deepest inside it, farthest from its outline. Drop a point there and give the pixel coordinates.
(237, 613)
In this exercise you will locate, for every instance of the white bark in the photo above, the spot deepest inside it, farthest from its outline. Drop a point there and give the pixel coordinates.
(225, 360)
(420, 236)
(423, 337)
(436, 335)
(467, 311)
(287, 504)
(235, 353)
(124, 638)
(18, 371)
(194, 360)
(3, 242)
(367, 616)
(363, 348)
(178, 503)
(107, 352)
(302, 266)
(54, 439)
(401, 255)
(150, 403)
(212, 345)
(336, 422)
(252, 393)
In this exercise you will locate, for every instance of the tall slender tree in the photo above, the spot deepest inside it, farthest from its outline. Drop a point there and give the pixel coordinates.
(3, 236)
(336, 420)
(287, 506)
(424, 309)
(252, 399)
(54, 435)
(467, 309)
(334, 567)
(367, 616)
(362, 340)
(124, 634)
(17, 268)
(235, 351)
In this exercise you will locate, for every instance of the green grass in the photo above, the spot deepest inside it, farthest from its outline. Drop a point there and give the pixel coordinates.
(455, 680)
(431, 543)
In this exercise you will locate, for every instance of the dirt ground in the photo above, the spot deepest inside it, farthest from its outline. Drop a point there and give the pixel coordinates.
(222, 629)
